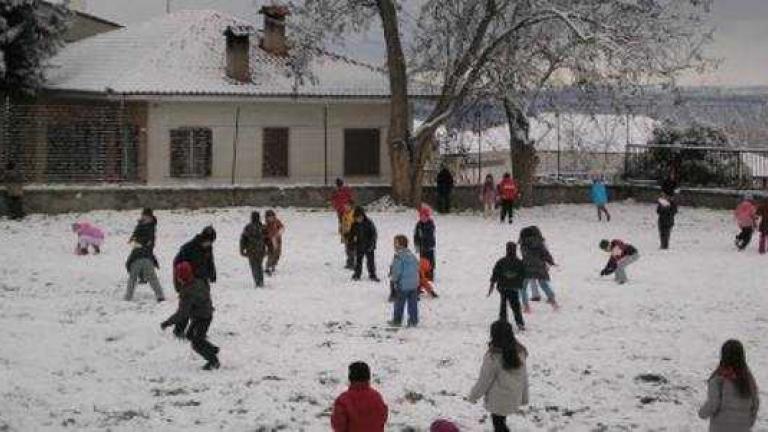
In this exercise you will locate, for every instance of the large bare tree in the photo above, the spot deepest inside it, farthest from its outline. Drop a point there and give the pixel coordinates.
(512, 49)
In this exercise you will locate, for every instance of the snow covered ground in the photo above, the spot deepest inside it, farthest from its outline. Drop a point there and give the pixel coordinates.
(75, 356)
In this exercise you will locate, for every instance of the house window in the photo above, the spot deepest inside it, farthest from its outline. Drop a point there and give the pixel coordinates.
(361, 152)
(191, 152)
(275, 158)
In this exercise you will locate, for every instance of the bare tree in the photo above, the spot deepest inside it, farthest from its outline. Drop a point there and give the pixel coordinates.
(513, 49)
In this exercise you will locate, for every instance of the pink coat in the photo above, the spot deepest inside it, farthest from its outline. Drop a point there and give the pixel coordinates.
(85, 229)
(745, 214)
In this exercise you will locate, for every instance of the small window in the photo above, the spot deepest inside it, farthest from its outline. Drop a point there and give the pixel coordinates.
(275, 152)
(191, 152)
(361, 152)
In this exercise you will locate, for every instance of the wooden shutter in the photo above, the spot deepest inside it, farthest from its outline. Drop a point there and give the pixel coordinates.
(361, 152)
(275, 152)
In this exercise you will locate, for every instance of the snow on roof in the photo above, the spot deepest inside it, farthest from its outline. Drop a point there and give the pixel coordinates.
(183, 53)
(580, 132)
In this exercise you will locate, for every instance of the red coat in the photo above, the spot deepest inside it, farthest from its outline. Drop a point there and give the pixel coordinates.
(508, 189)
(341, 197)
(359, 409)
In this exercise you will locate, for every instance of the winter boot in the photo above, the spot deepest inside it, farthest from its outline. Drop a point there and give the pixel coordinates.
(554, 304)
(526, 309)
(211, 365)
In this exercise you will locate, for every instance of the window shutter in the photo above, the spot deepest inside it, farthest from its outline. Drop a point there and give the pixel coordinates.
(361, 152)
(275, 152)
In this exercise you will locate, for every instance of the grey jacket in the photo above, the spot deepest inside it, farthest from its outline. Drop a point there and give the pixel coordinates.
(726, 409)
(504, 391)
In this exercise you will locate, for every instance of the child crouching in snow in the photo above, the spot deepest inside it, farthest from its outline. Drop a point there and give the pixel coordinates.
(622, 255)
(195, 305)
(87, 236)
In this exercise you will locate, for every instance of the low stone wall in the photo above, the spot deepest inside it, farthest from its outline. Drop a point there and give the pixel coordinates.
(82, 199)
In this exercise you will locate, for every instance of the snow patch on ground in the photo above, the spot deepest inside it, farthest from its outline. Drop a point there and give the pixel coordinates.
(75, 356)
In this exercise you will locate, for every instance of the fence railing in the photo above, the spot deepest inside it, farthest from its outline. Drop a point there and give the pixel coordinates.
(734, 168)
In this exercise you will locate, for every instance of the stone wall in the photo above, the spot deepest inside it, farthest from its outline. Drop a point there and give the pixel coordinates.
(82, 199)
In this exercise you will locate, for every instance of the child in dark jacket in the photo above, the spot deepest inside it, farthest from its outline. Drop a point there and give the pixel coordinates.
(537, 260)
(199, 253)
(364, 240)
(252, 246)
(666, 208)
(508, 277)
(146, 228)
(622, 255)
(424, 238)
(195, 305)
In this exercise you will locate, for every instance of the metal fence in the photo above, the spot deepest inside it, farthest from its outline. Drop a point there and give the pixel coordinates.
(735, 168)
(70, 143)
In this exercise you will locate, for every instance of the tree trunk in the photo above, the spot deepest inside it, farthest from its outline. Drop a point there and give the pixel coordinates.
(401, 151)
(522, 152)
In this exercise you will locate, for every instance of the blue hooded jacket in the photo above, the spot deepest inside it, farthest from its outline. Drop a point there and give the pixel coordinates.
(599, 193)
(405, 271)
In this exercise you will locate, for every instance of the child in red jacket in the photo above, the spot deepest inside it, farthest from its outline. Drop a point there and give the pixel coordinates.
(360, 408)
(425, 285)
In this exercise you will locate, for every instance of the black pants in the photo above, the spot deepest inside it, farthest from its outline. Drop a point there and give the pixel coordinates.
(15, 207)
(507, 210)
(430, 256)
(257, 269)
(664, 233)
(370, 262)
(511, 296)
(444, 202)
(197, 334)
(600, 210)
(499, 423)
(744, 237)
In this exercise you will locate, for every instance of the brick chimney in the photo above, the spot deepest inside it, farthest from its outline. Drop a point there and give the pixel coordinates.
(274, 41)
(238, 52)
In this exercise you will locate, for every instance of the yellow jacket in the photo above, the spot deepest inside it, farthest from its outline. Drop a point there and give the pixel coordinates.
(347, 219)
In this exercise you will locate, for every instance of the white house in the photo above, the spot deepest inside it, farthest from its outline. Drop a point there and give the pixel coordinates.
(203, 95)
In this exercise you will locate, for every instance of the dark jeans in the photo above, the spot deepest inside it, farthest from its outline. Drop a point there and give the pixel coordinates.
(499, 423)
(444, 202)
(600, 210)
(507, 210)
(744, 237)
(370, 262)
(664, 233)
(349, 249)
(197, 334)
(401, 299)
(430, 256)
(512, 296)
(15, 207)
(257, 269)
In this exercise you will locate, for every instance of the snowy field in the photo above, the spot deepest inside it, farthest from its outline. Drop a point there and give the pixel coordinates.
(75, 356)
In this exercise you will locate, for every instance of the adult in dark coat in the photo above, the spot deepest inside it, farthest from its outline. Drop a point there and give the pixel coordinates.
(253, 247)
(364, 238)
(194, 304)
(508, 277)
(444, 189)
(14, 190)
(666, 208)
(199, 253)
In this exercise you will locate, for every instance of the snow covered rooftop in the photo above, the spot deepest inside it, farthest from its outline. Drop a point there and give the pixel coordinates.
(183, 53)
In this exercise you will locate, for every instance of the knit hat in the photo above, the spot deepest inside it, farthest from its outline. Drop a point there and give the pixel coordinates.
(183, 272)
(208, 234)
(443, 426)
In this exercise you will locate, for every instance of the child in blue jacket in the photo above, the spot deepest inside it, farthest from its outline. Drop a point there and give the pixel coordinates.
(405, 281)
(600, 198)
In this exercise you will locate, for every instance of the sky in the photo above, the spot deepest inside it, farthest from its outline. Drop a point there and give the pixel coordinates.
(741, 38)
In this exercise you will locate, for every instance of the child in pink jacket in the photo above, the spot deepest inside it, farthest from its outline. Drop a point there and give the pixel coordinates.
(746, 216)
(87, 235)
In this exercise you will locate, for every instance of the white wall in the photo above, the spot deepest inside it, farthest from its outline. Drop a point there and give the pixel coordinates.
(307, 162)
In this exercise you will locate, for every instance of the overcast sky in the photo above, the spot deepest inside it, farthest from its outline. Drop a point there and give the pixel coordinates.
(741, 40)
